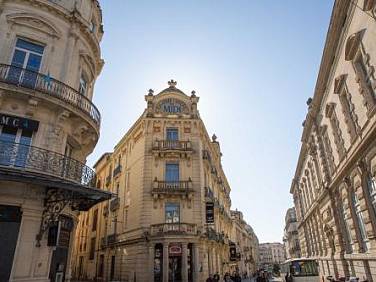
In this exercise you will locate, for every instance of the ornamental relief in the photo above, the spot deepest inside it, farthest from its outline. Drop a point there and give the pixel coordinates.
(171, 106)
(35, 22)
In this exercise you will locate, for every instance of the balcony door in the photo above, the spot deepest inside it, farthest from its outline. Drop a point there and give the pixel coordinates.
(26, 63)
(14, 146)
(172, 134)
(172, 175)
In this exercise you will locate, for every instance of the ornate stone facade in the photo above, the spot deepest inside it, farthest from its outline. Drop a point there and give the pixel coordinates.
(49, 61)
(336, 217)
(171, 220)
(291, 238)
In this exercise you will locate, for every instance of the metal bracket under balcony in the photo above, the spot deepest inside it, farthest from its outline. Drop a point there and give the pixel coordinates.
(172, 149)
(67, 181)
(164, 229)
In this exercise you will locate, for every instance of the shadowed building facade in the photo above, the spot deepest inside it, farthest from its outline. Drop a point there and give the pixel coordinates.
(171, 220)
(334, 187)
(49, 61)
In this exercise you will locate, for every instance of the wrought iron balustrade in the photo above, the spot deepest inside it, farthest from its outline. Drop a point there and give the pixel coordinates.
(41, 161)
(173, 228)
(114, 204)
(172, 145)
(172, 186)
(111, 239)
(45, 84)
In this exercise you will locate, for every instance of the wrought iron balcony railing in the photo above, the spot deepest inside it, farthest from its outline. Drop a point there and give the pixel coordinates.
(167, 145)
(170, 187)
(114, 204)
(173, 228)
(49, 86)
(41, 161)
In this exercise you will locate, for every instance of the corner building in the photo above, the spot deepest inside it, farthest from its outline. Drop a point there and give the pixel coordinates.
(334, 187)
(171, 220)
(49, 61)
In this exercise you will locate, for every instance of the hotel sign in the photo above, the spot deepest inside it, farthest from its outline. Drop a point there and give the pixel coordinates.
(172, 106)
(19, 122)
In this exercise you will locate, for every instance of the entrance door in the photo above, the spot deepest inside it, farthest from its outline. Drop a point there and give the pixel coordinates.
(10, 220)
(174, 269)
(60, 237)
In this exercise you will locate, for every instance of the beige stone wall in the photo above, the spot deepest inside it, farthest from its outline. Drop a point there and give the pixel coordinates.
(331, 188)
(70, 49)
(142, 202)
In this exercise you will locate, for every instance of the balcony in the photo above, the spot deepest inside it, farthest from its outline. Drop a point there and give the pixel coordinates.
(51, 88)
(117, 171)
(172, 148)
(172, 187)
(31, 164)
(114, 204)
(111, 239)
(209, 195)
(173, 229)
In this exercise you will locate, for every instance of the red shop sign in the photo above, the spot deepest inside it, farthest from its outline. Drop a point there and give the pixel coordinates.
(175, 249)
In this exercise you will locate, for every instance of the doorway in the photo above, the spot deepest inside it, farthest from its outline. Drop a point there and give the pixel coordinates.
(174, 269)
(10, 220)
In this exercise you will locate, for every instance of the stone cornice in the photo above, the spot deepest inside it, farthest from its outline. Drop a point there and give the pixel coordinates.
(74, 18)
(339, 15)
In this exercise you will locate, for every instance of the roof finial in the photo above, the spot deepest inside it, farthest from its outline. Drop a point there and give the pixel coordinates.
(214, 138)
(193, 93)
(151, 92)
(172, 83)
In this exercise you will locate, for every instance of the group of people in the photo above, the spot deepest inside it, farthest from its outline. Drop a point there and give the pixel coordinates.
(258, 276)
(235, 277)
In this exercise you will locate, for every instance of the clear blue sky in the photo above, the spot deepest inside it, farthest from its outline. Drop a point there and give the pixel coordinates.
(253, 63)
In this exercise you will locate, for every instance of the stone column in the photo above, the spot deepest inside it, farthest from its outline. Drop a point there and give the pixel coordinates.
(184, 262)
(165, 262)
(151, 261)
(196, 265)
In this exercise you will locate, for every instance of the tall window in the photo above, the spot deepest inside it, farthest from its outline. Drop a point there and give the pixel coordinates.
(360, 220)
(172, 172)
(348, 239)
(14, 145)
(83, 85)
(172, 213)
(92, 248)
(372, 191)
(95, 220)
(28, 56)
(172, 134)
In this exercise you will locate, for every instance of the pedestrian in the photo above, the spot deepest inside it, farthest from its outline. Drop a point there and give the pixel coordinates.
(287, 277)
(210, 278)
(227, 278)
(216, 277)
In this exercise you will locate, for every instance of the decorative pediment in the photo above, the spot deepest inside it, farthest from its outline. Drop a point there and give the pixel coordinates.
(329, 109)
(352, 45)
(339, 82)
(35, 22)
(368, 5)
(87, 59)
(171, 106)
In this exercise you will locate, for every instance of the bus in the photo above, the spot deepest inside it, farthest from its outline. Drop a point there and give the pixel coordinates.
(301, 270)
